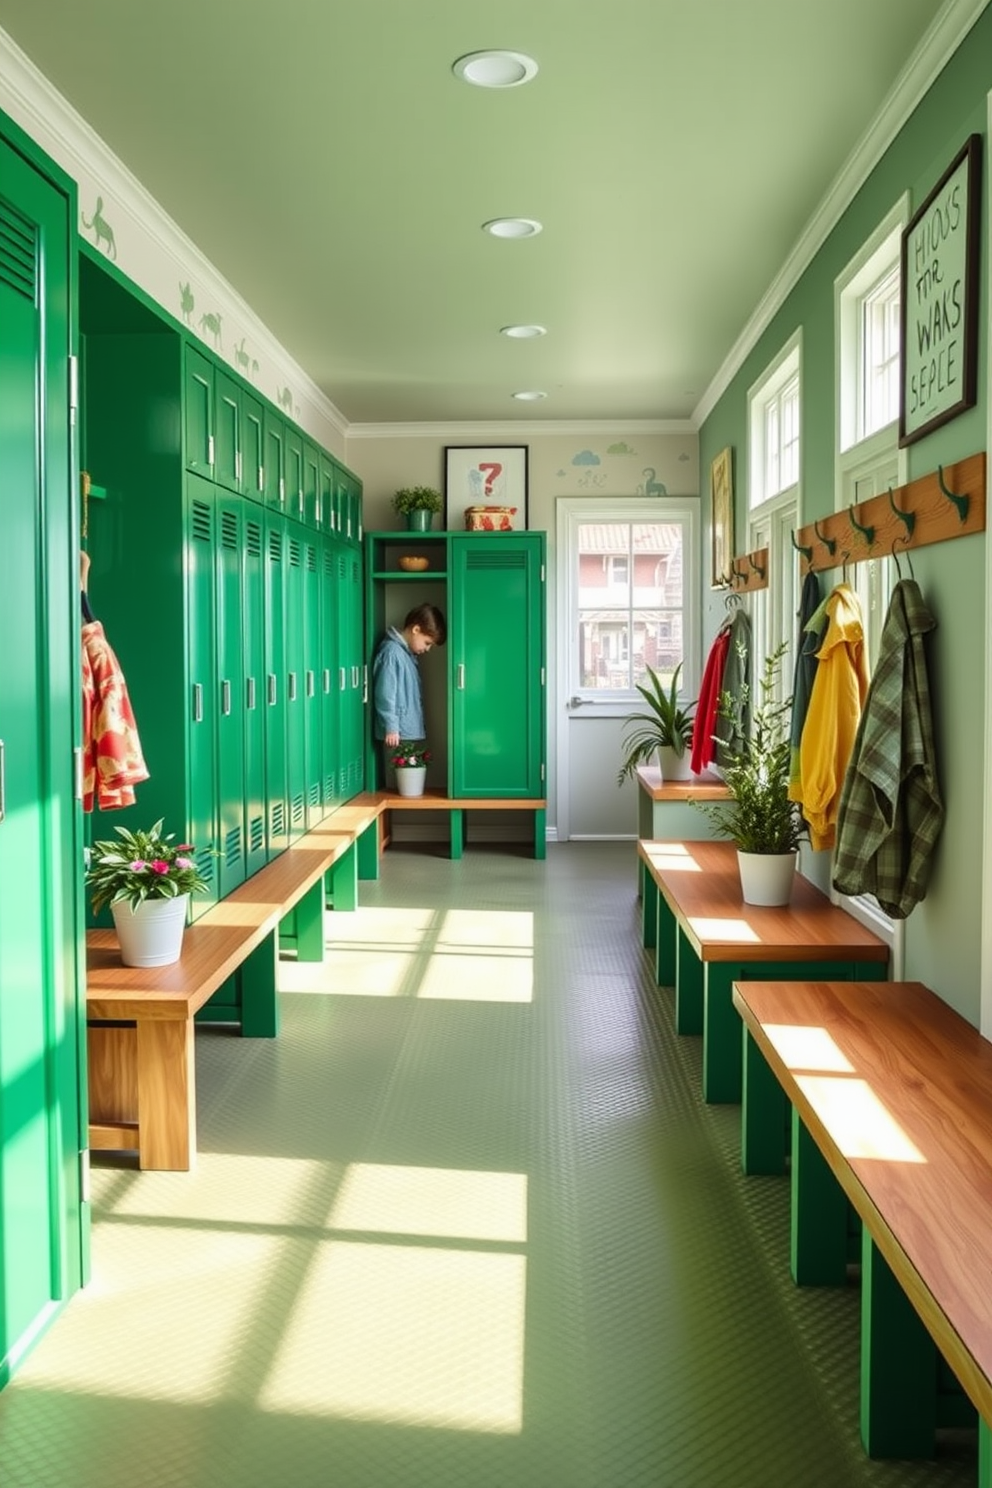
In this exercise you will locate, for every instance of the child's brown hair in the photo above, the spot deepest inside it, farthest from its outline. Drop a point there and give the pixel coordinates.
(430, 622)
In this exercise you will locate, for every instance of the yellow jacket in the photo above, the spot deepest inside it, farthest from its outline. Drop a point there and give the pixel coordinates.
(838, 695)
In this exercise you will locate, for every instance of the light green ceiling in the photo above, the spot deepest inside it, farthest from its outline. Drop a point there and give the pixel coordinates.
(329, 164)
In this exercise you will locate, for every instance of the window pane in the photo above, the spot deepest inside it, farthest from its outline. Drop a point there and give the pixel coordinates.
(657, 643)
(657, 550)
(604, 565)
(604, 650)
(880, 353)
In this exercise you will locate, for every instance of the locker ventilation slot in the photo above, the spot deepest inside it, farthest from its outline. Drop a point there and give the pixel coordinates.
(253, 539)
(342, 567)
(275, 547)
(328, 789)
(495, 560)
(278, 818)
(229, 530)
(311, 559)
(256, 834)
(202, 525)
(205, 863)
(18, 253)
(314, 794)
(329, 565)
(297, 811)
(294, 553)
(232, 847)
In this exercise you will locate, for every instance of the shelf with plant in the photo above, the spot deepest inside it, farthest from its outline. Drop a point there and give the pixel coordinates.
(668, 725)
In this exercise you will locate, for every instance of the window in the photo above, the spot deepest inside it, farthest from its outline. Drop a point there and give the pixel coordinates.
(867, 331)
(878, 362)
(774, 426)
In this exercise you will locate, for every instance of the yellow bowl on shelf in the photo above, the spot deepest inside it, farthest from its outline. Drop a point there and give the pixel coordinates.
(414, 564)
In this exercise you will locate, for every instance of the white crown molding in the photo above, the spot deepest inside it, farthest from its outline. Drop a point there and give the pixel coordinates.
(55, 125)
(496, 429)
(946, 33)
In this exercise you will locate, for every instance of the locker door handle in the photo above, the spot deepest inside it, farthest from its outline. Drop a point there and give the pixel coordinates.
(316, 511)
(310, 686)
(291, 694)
(327, 679)
(237, 466)
(354, 676)
(342, 679)
(3, 780)
(225, 697)
(282, 491)
(460, 681)
(197, 702)
(210, 449)
(261, 477)
(365, 684)
(250, 698)
(272, 689)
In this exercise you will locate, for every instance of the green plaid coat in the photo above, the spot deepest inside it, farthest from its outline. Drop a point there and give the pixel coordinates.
(891, 811)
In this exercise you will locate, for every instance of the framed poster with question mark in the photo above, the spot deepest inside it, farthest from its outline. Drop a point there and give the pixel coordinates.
(477, 477)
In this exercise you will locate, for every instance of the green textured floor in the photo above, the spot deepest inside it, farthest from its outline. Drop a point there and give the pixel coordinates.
(466, 1222)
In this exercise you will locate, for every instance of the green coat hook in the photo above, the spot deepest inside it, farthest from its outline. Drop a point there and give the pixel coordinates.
(908, 519)
(799, 547)
(961, 502)
(868, 533)
(755, 567)
(830, 543)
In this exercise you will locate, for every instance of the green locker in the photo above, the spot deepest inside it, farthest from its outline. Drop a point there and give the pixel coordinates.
(293, 470)
(274, 464)
(311, 484)
(330, 692)
(353, 671)
(228, 433)
(295, 731)
(326, 515)
(43, 1215)
(202, 699)
(252, 447)
(312, 654)
(277, 826)
(496, 660)
(253, 693)
(230, 694)
(198, 411)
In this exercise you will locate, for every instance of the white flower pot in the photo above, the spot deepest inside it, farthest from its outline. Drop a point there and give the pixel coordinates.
(410, 780)
(152, 934)
(673, 766)
(767, 878)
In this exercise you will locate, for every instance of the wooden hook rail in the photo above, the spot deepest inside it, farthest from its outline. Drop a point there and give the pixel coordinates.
(950, 502)
(748, 572)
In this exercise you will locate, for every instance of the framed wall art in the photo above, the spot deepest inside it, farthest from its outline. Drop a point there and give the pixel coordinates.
(722, 499)
(939, 300)
(479, 476)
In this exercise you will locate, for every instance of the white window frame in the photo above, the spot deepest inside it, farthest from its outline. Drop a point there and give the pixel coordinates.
(773, 517)
(865, 269)
(762, 394)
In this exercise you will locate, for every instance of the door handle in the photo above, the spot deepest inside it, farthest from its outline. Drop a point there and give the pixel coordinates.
(250, 700)
(342, 679)
(272, 689)
(197, 702)
(310, 686)
(460, 680)
(3, 781)
(291, 694)
(225, 697)
(327, 679)
(575, 702)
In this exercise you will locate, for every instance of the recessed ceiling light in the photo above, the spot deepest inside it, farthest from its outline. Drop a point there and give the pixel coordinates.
(495, 69)
(512, 227)
(522, 332)
(530, 397)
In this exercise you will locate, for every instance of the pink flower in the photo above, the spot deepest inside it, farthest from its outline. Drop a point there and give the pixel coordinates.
(183, 863)
(185, 847)
(158, 866)
(138, 866)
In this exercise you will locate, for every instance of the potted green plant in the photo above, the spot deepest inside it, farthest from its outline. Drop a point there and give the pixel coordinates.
(146, 881)
(410, 761)
(667, 729)
(761, 821)
(418, 504)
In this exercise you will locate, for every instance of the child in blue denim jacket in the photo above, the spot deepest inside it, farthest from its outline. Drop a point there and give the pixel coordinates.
(396, 693)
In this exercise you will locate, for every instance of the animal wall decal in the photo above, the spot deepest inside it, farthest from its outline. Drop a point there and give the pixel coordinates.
(187, 303)
(101, 229)
(284, 397)
(241, 358)
(211, 323)
(652, 487)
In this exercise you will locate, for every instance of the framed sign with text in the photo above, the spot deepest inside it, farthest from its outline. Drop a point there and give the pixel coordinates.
(939, 300)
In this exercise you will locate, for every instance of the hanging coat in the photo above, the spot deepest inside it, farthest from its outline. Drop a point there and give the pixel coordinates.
(113, 763)
(705, 719)
(891, 811)
(835, 704)
(732, 731)
(807, 644)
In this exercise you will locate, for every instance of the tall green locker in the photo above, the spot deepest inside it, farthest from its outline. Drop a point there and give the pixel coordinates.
(253, 604)
(43, 1216)
(202, 700)
(296, 765)
(231, 699)
(330, 690)
(312, 657)
(277, 832)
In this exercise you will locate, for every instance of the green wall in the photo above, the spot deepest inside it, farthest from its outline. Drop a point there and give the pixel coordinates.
(943, 935)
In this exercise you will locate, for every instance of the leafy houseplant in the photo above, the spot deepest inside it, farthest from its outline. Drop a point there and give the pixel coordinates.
(140, 866)
(667, 726)
(418, 504)
(409, 756)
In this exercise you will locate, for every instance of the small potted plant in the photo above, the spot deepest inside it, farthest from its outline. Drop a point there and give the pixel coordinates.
(667, 729)
(418, 504)
(410, 761)
(761, 821)
(147, 882)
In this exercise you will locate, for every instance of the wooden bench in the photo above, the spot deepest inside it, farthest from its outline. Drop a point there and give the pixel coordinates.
(142, 1091)
(385, 803)
(664, 807)
(705, 937)
(890, 1093)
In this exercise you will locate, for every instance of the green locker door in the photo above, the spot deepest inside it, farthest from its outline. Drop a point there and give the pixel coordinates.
(252, 448)
(344, 667)
(274, 464)
(198, 412)
(311, 484)
(312, 711)
(295, 732)
(326, 515)
(229, 696)
(277, 826)
(330, 694)
(253, 694)
(43, 1220)
(496, 644)
(227, 431)
(294, 472)
(353, 731)
(201, 633)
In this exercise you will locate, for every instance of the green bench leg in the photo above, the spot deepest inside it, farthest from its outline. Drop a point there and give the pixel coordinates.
(457, 834)
(342, 881)
(818, 1240)
(666, 935)
(764, 1113)
(649, 907)
(721, 1035)
(310, 924)
(984, 1455)
(368, 855)
(540, 835)
(898, 1366)
(688, 979)
(257, 988)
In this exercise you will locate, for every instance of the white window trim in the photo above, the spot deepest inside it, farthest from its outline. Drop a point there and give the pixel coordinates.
(783, 367)
(864, 269)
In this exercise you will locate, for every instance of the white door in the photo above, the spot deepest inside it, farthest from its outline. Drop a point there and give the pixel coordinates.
(628, 598)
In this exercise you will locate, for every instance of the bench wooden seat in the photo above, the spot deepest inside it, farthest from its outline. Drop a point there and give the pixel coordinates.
(141, 1020)
(664, 808)
(705, 936)
(891, 1100)
(384, 803)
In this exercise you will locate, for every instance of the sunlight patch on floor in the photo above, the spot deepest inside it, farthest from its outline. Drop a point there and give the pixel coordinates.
(412, 1335)
(361, 972)
(226, 1188)
(432, 1201)
(491, 978)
